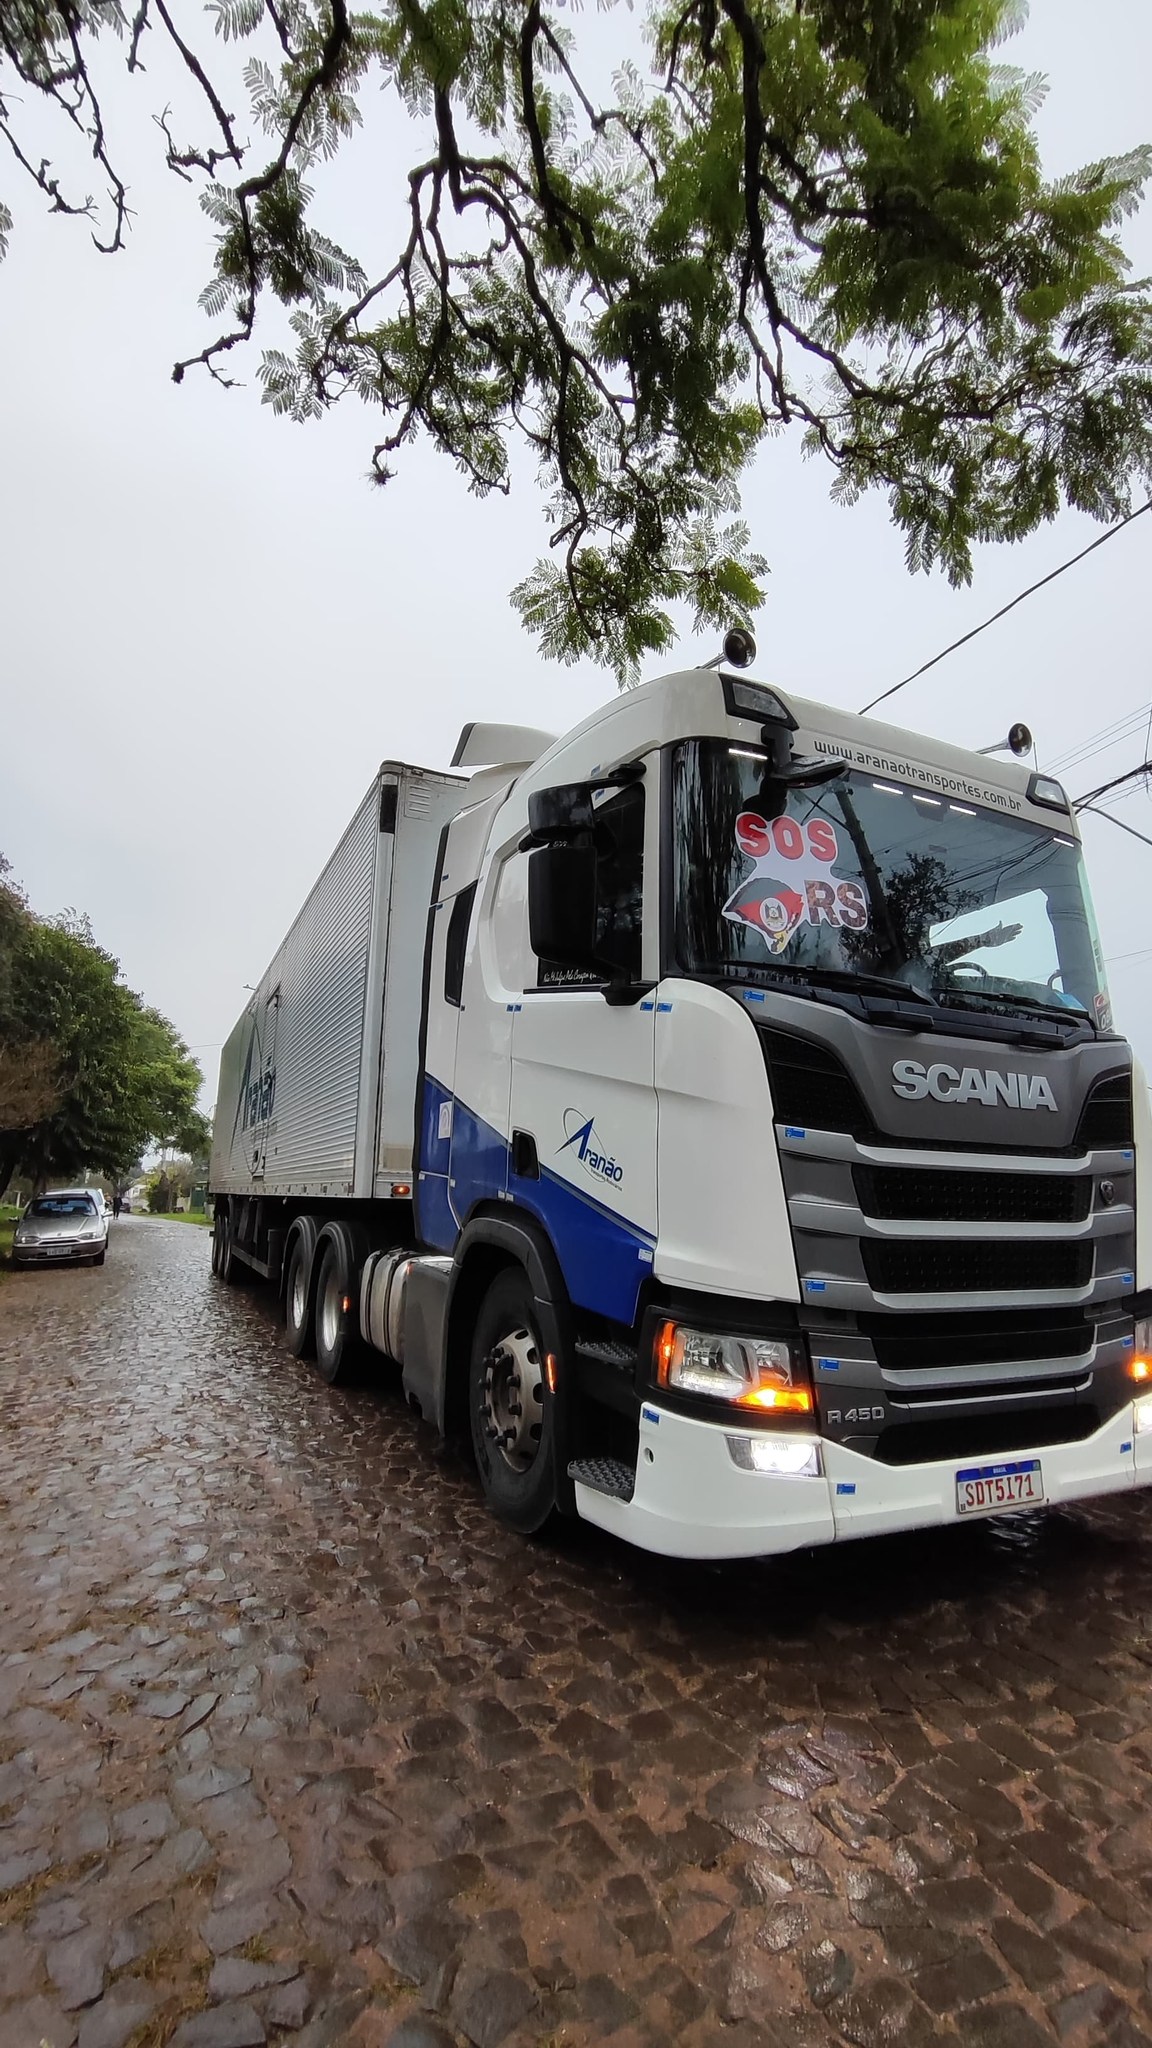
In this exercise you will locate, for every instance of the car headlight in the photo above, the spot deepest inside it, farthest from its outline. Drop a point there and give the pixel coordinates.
(766, 1373)
(92, 1230)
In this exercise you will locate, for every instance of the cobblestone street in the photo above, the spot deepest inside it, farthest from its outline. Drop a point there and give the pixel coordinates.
(296, 1744)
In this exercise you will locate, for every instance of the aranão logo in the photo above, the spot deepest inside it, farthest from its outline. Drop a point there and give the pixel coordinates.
(581, 1133)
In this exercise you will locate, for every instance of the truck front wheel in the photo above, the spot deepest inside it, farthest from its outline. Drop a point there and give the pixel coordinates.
(511, 1406)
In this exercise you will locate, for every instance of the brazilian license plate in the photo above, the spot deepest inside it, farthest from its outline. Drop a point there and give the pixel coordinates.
(994, 1489)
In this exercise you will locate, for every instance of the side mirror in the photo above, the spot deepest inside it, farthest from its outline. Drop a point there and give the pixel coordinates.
(564, 810)
(562, 904)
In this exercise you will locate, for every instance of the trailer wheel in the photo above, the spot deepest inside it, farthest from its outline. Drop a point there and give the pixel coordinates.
(297, 1299)
(337, 1332)
(511, 1406)
(230, 1269)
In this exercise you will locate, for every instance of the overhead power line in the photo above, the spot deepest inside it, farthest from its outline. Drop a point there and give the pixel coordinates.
(1082, 803)
(1095, 743)
(1131, 829)
(1141, 952)
(1010, 606)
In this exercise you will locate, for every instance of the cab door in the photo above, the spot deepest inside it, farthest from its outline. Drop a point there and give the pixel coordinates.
(466, 1063)
(583, 1113)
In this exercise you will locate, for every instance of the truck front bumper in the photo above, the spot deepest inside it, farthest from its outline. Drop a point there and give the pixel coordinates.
(692, 1499)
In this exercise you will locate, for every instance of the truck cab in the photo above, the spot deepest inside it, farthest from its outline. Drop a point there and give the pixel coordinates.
(777, 1160)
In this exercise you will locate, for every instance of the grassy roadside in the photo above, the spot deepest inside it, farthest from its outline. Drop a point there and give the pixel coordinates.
(8, 1215)
(178, 1216)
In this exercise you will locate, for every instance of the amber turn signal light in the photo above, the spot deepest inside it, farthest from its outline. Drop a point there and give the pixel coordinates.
(782, 1400)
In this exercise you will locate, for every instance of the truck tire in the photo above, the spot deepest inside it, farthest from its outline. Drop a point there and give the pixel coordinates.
(511, 1407)
(338, 1347)
(298, 1299)
(230, 1269)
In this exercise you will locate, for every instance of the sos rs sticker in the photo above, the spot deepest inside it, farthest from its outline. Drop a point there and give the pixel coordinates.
(793, 880)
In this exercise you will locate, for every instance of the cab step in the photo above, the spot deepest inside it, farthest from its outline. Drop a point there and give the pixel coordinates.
(604, 1475)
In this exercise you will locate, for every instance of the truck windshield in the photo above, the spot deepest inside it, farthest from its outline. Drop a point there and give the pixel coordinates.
(867, 879)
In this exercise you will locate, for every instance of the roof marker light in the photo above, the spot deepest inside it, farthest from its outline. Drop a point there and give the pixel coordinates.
(963, 810)
(1047, 792)
(887, 789)
(933, 800)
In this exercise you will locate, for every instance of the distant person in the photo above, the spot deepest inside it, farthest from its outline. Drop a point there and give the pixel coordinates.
(117, 1204)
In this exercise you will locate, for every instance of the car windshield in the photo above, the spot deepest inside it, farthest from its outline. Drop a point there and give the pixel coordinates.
(865, 879)
(61, 1205)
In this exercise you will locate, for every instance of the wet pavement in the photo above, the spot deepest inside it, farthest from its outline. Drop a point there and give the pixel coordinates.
(297, 1745)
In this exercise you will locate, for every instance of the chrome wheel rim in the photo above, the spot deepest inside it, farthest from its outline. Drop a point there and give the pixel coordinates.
(330, 1314)
(513, 1400)
(299, 1296)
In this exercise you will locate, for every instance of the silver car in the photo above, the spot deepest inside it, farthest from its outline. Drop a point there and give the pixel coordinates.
(65, 1223)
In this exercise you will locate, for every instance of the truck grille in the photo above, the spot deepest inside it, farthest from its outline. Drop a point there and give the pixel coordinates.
(811, 1088)
(983, 1338)
(947, 1197)
(1106, 1118)
(940, 1268)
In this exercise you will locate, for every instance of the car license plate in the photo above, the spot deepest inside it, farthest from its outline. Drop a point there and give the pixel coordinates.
(59, 1251)
(992, 1489)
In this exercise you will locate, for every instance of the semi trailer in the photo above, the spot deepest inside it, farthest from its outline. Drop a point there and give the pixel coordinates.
(715, 1116)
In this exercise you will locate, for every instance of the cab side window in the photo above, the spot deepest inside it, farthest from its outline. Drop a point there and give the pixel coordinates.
(619, 893)
(456, 945)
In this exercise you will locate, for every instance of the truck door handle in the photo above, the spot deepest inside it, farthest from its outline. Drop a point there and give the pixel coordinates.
(525, 1159)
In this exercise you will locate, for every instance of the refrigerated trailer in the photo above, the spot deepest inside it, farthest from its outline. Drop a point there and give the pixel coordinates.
(715, 1117)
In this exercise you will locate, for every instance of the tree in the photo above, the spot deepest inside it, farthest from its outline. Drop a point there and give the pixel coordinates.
(113, 1075)
(822, 213)
(31, 1084)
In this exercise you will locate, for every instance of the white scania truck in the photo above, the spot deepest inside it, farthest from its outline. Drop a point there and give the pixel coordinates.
(716, 1115)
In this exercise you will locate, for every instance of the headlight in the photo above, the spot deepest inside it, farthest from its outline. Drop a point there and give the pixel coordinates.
(752, 1372)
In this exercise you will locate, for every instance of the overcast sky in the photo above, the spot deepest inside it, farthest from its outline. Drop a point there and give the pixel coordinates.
(213, 629)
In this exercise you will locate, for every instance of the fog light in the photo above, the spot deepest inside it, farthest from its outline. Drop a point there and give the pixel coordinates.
(1142, 1412)
(789, 1457)
(1140, 1368)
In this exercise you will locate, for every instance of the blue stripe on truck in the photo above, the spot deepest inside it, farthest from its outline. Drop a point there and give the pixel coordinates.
(604, 1258)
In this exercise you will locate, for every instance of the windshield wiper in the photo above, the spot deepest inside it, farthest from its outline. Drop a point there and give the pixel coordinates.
(1023, 1006)
(787, 975)
(874, 984)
